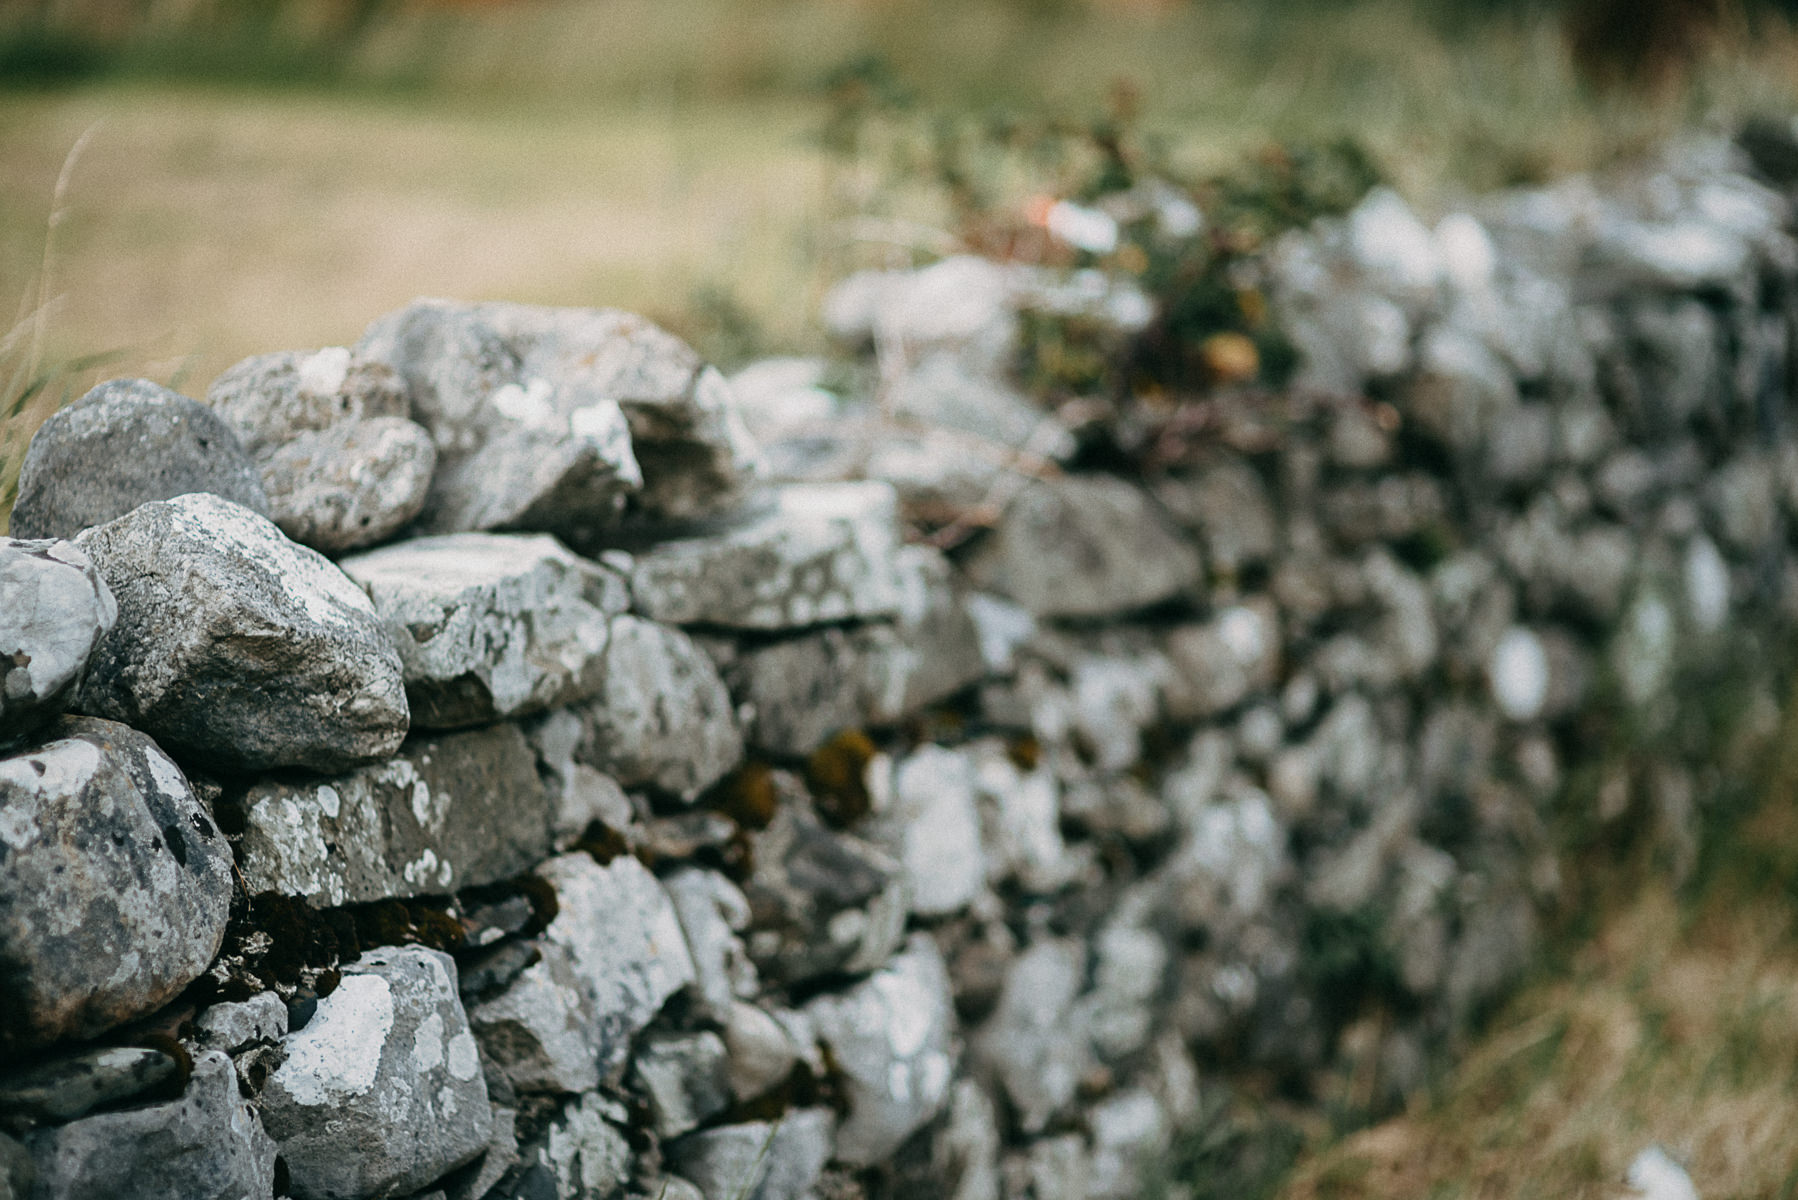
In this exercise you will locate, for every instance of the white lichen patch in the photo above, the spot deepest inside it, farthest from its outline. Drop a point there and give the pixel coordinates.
(338, 1054)
(323, 372)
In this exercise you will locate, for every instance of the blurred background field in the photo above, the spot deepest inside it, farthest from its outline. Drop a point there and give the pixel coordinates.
(265, 174)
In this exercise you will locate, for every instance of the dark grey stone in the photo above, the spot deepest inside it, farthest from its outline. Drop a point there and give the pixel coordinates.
(114, 883)
(127, 442)
(208, 1145)
(238, 648)
(73, 1085)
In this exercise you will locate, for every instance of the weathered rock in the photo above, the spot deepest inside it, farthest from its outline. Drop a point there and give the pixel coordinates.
(624, 943)
(758, 1160)
(235, 1026)
(443, 814)
(684, 1078)
(1217, 665)
(822, 901)
(965, 1155)
(18, 1174)
(107, 861)
(541, 1033)
(352, 485)
(819, 553)
(381, 1092)
(208, 1145)
(712, 912)
(890, 1037)
(1085, 546)
(276, 658)
(127, 442)
(1228, 508)
(271, 399)
(660, 716)
(1028, 1042)
(491, 626)
(54, 609)
(72, 1085)
(760, 1054)
(933, 829)
(584, 1150)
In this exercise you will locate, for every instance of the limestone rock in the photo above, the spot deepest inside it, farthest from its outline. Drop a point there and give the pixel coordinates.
(933, 828)
(660, 715)
(237, 1025)
(712, 912)
(208, 1145)
(54, 609)
(684, 1077)
(355, 484)
(443, 814)
(381, 1092)
(1028, 1042)
(757, 1160)
(819, 553)
(1085, 547)
(271, 399)
(237, 647)
(72, 1085)
(107, 861)
(541, 1033)
(491, 626)
(125, 443)
(890, 1037)
(584, 1152)
(823, 902)
(1228, 507)
(624, 943)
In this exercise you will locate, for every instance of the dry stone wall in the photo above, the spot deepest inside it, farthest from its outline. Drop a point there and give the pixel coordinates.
(507, 759)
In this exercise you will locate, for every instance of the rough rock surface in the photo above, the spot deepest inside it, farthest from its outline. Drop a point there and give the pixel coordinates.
(352, 485)
(541, 1034)
(381, 1092)
(890, 1037)
(1085, 547)
(757, 1160)
(277, 660)
(624, 944)
(270, 399)
(660, 716)
(490, 626)
(208, 1145)
(114, 883)
(123, 444)
(54, 609)
(443, 814)
(72, 1085)
(549, 418)
(819, 553)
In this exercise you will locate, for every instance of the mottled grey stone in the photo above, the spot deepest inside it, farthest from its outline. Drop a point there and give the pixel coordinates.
(72, 1085)
(760, 1054)
(1228, 508)
(54, 609)
(932, 827)
(18, 1174)
(237, 647)
(270, 399)
(585, 1151)
(1028, 1042)
(491, 626)
(712, 912)
(890, 1038)
(757, 1160)
(443, 814)
(624, 943)
(114, 883)
(355, 484)
(1219, 664)
(684, 1078)
(127, 442)
(1085, 546)
(381, 1092)
(208, 1145)
(823, 902)
(818, 553)
(660, 715)
(237, 1025)
(541, 1034)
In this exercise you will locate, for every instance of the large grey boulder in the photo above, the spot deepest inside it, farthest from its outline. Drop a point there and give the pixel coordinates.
(445, 813)
(114, 883)
(127, 442)
(818, 553)
(54, 609)
(491, 626)
(381, 1091)
(890, 1038)
(238, 648)
(207, 1145)
(356, 484)
(342, 465)
(549, 418)
(1085, 547)
(660, 716)
(624, 944)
